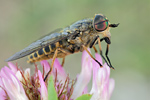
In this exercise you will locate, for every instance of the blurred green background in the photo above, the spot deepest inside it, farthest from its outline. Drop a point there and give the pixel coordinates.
(24, 21)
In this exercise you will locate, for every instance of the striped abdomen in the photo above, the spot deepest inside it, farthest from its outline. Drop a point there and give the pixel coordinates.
(44, 53)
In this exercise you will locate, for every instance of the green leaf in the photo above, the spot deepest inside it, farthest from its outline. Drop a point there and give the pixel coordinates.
(52, 94)
(84, 97)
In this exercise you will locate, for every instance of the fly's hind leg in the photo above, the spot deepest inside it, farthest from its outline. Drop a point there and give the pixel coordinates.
(54, 57)
(51, 68)
(67, 52)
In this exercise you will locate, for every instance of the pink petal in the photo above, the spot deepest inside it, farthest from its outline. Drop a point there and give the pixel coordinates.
(102, 86)
(84, 77)
(85, 57)
(46, 65)
(95, 72)
(107, 68)
(85, 91)
(99, 85)
(2, 92)
(101, 76)
(43, 89)
(98, 57)
(12, 67)
(111, 86)
(12, 85)
(96, 67)
(61, 74)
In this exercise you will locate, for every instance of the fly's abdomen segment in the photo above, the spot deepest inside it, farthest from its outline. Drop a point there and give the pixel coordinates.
(44, 53)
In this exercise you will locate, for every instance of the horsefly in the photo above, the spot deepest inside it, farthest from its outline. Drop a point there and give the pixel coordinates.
(77, 37)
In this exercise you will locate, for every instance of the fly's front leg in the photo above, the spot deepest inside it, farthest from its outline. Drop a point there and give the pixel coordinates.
(107, 49)
(93, 42)
(99, 43)
(107, 40)
(102, 39)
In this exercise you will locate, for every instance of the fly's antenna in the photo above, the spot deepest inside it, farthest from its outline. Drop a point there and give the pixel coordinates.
(114, 25)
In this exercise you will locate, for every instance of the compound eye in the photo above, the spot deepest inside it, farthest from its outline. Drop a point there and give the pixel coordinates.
(100, 23)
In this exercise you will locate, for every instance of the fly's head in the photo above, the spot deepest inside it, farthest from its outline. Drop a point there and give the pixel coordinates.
(102, 26)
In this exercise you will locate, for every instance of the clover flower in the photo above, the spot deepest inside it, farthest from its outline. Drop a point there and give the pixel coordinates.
(18, 84)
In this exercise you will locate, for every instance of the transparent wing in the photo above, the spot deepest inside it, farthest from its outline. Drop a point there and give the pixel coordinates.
(52, 38)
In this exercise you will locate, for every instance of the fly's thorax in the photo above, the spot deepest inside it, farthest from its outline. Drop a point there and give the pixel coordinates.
(80, 26)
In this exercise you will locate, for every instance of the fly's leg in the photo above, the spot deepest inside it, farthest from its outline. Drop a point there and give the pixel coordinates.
(54, 57)
(99, 43)
(93, 41)
(107, 49)
(63, 61)
(67, 52)
(51, 68)
(107, 40)
(102, 39)
(85, 48)
(95, 49)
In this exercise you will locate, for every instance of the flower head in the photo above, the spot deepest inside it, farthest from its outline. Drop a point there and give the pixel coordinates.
(17, 84)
